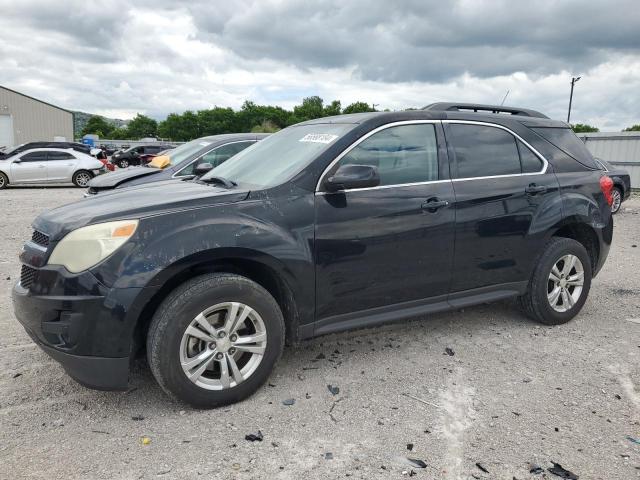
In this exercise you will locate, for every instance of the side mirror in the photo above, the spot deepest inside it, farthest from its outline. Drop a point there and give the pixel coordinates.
(352, 176)
(203, 168)
(17, 160)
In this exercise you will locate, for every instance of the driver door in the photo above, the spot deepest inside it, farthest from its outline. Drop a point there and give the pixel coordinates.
(30, 168)
(381, 250)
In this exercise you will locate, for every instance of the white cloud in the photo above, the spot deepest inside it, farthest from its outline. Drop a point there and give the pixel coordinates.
(117, 58)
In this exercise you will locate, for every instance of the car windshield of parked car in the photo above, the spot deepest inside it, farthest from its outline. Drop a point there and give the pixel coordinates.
(279, 157)
(186, 151)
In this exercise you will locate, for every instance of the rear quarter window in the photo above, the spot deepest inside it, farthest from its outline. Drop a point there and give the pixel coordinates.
(567, 141)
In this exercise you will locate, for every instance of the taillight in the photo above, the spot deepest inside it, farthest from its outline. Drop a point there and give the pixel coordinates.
(606, 185)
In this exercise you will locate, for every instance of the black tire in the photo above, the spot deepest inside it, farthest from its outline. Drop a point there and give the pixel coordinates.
(124, 163)
(79, 178)
(614, 209)
(179, 309)
(535, 302)
(4, 181)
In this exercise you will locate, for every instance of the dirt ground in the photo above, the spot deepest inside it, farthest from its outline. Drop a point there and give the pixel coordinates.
(509, 394)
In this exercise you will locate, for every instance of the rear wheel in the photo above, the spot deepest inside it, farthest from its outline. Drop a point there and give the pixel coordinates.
(616, 195)
(215, 340)
(560, 283)
(4, 181)
(81, 178)
(124, 163)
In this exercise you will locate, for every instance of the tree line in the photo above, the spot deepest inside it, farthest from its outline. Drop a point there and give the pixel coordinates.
(250, 118)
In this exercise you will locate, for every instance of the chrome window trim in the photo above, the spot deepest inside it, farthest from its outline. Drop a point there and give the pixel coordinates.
(545, 163)
(362, 139)
(207, 152)
(379, 187)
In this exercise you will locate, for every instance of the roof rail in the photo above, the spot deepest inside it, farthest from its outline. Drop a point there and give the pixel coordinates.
(478, 108)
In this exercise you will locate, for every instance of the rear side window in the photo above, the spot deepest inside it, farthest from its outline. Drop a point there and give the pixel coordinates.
(569, 143)
(483, 151)
(529, 160)
(402, 154)
(60, 156)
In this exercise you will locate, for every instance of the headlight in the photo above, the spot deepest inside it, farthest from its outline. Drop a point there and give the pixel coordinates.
(85, 247)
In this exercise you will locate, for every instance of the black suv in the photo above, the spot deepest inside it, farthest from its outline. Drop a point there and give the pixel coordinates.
(131, 156)
(331, 224)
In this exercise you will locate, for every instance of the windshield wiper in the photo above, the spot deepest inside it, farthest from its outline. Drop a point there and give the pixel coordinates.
(220, 180)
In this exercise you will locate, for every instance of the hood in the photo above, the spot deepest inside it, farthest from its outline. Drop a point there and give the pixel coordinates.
(136, 202)
(113, 179)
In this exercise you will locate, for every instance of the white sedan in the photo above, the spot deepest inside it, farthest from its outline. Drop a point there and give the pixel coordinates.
(49, 165)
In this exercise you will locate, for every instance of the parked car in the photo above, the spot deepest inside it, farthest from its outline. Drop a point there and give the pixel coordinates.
(79, 147)
(621, 183)
(49, 165)
(146, 158)
(332, 224)
(131, 156)
(109, 149)
(182, 160)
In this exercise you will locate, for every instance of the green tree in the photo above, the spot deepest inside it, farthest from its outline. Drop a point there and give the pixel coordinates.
(120, 133)
(97, 126)
(217, 120)
(358, 107)
(334, 108)
(312, 107)
(633, 128)
(180, 127)
(142, 126)
(584, 128)
(265, 127)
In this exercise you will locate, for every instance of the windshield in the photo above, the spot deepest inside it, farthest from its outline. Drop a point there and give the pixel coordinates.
(185, 151)
(279, 157)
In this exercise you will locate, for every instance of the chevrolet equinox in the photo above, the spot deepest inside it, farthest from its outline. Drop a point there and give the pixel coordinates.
(332, 224)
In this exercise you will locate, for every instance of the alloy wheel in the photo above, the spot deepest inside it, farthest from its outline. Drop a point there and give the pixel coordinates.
(564, 286)
(124, 163)
(82, 179)
(617, 200)
(223, 346)
(1, 181)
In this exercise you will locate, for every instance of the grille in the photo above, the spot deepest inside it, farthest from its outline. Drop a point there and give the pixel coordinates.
(40, 238)
(26, 276)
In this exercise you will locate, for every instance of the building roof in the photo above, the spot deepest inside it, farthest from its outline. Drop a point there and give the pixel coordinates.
(36, 99)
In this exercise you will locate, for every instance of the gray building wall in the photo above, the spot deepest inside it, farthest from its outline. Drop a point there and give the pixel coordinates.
(34, 120)
(621, 149)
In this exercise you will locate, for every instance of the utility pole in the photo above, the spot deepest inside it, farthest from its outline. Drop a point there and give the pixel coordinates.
(574, 80)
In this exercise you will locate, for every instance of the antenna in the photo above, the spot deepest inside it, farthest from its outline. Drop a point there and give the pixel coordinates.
(505, 97)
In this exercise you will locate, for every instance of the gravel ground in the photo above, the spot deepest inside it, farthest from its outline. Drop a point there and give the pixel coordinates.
(509, 394)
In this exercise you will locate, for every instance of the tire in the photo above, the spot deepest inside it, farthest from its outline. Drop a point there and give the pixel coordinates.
(617, 200)
(81, 178)
(124, 163)
(169, 345)
(536, 303)
(4, 181)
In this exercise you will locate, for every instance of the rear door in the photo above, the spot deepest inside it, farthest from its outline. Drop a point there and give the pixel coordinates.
(383, 246)
(60, 166)
(503, 189)
(30, 168)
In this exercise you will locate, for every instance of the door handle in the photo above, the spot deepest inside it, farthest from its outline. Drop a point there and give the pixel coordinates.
(433, 204)
(533, 189)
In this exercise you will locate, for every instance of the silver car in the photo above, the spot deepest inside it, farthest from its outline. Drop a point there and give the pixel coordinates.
(49, 165)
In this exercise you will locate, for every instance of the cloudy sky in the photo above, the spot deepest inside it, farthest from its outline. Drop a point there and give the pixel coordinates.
(117, 58)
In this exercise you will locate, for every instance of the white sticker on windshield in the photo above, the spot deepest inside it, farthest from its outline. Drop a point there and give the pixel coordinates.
(319, 138)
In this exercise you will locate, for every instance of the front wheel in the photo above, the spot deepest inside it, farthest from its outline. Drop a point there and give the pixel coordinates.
(215, 340)
(81, 178)
(560, 283)
(4, 181)
(123, 163)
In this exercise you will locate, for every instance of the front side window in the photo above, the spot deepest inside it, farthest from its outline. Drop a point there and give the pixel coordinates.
(34, 157)
(402, 154)
(216, 156)
(483, 151)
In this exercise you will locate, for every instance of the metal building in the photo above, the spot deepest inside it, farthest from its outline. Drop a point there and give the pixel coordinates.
(26, 119)
(621, 149)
